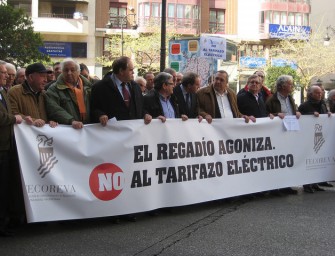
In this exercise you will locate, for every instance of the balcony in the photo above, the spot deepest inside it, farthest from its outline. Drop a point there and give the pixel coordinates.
(176, 25)
(49, 23)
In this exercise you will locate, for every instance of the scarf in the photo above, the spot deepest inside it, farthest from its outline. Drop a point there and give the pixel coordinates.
(79, 93)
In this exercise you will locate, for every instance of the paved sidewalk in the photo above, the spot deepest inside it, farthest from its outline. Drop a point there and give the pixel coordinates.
(300, 224)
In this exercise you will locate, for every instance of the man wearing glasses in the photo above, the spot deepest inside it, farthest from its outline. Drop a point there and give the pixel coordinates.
(265, 92)
(161, 103)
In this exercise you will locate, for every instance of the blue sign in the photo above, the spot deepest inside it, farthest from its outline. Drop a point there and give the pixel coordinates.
(289, 31)
(252, 62)
(64, 49)
(283, 63)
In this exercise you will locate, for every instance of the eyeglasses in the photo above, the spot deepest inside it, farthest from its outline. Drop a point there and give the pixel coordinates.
(50, 72)
(11, 75)
(170, 83)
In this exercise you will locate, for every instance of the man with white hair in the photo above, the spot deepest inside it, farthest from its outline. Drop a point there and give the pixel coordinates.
(7, 150)
(11, 71)
(69, 97)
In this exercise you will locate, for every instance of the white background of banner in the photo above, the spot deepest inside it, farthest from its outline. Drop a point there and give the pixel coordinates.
(79, 151)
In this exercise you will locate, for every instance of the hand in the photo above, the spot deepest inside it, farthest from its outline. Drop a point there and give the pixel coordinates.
(53, 124)
(103, 120)
(77, 125)
(281, 115)
(246, 119)
(200, 118)
(29, 120)
(329, 114)
(209, 118)
(253, 119)
(316, 114)
(184, 117)
(162, 118)
(147, 119)
(39, 123)
(18, 119)
(271, 116)
(298, 115)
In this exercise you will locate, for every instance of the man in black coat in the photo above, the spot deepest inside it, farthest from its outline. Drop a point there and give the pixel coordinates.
(251, 102)
(315, 105)
(161, 103)
(117, 95)
(186, 95)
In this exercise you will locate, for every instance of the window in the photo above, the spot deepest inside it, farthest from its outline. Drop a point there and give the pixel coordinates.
(290, 20)
(63, 11)
(180, 11)
(298, 19)
(188, 11)
(216, 20)
(171, 10)
(276, 17)
(147, 9)
(115, 17)
(155, 10)
(283, 18)
(306, 19)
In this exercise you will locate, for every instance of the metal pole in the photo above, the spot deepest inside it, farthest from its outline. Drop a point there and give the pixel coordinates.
(163, 36)
(122, 34)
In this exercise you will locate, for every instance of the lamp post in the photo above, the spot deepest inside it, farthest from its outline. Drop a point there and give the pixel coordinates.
(123, 18)
(326, 39)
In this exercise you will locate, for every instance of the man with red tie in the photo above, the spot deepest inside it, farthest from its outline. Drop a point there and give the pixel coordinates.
(117, 95)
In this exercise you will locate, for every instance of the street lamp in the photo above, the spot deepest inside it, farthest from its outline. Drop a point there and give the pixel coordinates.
(327, 37)
(123, 19)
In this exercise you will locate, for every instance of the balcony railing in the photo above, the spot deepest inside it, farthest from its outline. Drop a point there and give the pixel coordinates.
(217, 27)
(172, 23)
(75, 15)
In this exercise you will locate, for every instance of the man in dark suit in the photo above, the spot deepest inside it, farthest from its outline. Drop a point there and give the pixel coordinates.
(117, 95)
(7, 149)
(186, 95)
(161, 103)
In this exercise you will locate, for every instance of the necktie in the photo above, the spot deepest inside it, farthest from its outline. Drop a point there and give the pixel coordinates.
(188, 102)
(126, 95)
(3, 101)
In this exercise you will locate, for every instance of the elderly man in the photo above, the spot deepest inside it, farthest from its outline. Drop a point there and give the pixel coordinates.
(50, 74)
(11, 71)
(218, 100)
(117, 95)
(186, 95)
(161, 103)
(149, 77)
(142, 83)
(331, 100)
(265, 93)
(282, 103)
(20, 76)
(180, 78)
(172, 72)
(251, 101)
(68, 100)
(28, 99)
(7, 150)
(314, 105)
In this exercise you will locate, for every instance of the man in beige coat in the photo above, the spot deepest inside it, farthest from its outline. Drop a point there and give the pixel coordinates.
(28, 99)
(218, 100)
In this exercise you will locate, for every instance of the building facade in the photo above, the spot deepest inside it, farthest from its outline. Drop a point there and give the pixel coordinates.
(80, 28)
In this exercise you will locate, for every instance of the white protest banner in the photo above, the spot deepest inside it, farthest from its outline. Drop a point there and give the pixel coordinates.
(213, 47)
(128, 167)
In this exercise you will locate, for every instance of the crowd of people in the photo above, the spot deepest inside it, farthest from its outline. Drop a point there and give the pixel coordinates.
(65, 93)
